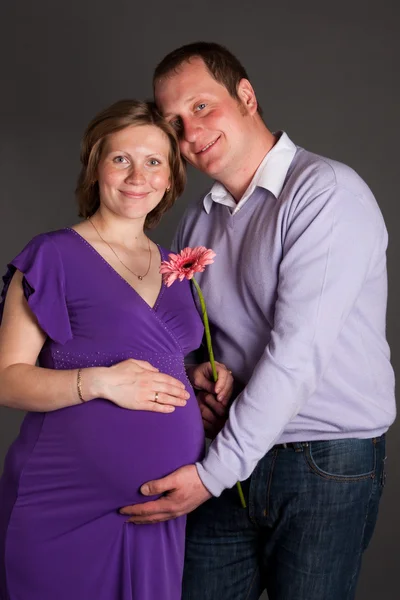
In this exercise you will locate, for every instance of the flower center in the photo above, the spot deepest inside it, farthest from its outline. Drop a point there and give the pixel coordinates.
(188, 264)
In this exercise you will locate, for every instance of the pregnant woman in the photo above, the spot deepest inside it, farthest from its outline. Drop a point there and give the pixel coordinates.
(109, 406)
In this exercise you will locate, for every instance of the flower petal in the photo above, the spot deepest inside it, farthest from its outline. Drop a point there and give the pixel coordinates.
(185, 264)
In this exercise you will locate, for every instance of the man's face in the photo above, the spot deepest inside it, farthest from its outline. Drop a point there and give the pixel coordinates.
(213, 128)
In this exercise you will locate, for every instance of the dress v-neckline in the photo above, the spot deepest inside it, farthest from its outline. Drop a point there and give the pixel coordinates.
(97, 253)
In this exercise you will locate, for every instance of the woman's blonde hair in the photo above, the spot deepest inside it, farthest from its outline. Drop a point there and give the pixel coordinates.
(116, 117)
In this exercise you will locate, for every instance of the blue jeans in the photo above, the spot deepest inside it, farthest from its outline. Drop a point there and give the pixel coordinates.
(311, 511)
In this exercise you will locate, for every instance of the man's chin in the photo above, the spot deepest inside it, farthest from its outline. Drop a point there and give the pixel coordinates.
(212, 168)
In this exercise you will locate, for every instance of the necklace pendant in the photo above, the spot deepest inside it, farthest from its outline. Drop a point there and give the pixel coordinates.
(140, 277)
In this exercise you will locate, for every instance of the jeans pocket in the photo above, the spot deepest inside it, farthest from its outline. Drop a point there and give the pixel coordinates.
(342, 460)
(377, 489)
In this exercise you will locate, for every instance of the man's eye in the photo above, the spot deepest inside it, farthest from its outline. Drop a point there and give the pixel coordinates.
(200, 106)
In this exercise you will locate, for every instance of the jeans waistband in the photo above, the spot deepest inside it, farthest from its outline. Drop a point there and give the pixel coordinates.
(296, 446)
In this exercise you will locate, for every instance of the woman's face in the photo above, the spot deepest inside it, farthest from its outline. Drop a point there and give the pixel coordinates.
(133, 171)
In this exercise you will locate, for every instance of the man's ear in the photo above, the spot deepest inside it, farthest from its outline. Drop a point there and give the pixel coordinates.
(247, 96)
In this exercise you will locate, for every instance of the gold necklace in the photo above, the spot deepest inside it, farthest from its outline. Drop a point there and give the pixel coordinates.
(140, 277)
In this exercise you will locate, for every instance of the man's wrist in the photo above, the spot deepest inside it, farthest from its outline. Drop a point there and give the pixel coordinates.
(224, 478)
(189, 372)
(201, 480)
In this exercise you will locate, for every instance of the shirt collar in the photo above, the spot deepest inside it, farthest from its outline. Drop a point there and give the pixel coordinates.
(270, 175)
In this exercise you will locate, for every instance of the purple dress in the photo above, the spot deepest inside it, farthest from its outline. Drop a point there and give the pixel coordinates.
(69, 471)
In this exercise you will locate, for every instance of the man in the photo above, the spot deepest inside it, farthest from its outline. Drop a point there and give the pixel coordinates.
(297, 302)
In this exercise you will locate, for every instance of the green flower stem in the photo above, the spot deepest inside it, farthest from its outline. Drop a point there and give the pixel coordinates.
(241, 495)
(212, 362)
(207, 329)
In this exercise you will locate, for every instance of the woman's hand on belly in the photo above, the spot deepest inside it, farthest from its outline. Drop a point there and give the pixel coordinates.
(136, 385)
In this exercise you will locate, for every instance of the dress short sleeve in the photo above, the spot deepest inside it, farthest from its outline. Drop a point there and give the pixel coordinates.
(44, 286)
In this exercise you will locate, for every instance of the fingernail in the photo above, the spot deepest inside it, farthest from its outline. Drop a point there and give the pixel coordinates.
(145, 490)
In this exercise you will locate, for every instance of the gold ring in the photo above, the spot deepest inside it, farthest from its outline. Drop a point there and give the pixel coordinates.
(156, 397)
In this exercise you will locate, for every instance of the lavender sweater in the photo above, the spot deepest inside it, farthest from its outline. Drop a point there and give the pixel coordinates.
(297, 303)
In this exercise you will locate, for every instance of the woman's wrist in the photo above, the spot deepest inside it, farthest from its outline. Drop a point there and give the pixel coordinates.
(90, 383)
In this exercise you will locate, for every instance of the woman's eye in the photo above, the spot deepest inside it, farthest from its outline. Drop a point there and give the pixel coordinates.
(200, 106)
(176, 124)
(154, 162)
(120, 160)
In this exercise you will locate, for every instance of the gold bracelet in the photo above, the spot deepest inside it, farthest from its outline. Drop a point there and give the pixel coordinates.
(79, 385)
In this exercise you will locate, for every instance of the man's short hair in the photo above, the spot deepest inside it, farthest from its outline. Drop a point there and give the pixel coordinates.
(220, 62)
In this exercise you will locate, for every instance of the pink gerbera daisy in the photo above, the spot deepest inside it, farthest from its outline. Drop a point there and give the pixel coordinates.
(185, 264)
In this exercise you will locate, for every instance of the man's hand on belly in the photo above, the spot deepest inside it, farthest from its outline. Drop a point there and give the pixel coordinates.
(182, 490)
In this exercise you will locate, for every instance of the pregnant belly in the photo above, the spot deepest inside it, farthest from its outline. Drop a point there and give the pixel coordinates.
(98, 455)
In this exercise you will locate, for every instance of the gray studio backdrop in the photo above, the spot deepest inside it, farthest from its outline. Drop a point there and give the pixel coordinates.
(328, 75)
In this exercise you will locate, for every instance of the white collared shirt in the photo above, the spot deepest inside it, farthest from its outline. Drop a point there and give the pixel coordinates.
(270, 175)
